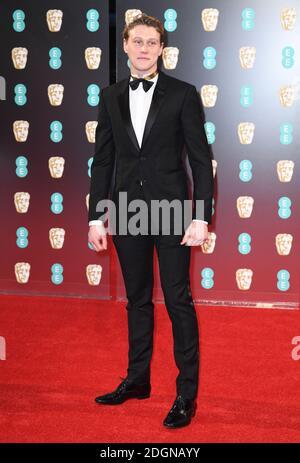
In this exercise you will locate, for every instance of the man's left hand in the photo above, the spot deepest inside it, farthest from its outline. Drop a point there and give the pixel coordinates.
(195, 234)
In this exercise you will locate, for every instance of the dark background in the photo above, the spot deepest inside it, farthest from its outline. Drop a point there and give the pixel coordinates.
(265, 78)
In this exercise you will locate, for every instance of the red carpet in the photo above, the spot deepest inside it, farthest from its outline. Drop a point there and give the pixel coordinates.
(59, 352)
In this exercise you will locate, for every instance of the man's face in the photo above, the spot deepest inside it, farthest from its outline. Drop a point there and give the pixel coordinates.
(143, 48)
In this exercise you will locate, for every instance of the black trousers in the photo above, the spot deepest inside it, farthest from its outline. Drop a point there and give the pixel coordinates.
(135, 254)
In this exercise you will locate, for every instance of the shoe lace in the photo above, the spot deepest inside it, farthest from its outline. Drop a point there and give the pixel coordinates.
(123, 384)
(178, 403)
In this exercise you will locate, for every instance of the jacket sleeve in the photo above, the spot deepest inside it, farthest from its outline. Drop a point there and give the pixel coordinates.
(199, 154)
(103, 161)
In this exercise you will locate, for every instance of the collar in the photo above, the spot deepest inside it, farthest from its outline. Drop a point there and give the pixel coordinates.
(152, 77)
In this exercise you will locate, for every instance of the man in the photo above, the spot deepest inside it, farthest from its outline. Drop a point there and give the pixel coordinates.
(144, 122)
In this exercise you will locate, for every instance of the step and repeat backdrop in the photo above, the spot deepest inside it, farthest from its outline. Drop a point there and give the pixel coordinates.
(55, 59)
(244, 61)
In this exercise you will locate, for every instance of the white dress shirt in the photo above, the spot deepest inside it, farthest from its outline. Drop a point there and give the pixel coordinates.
(139, 103)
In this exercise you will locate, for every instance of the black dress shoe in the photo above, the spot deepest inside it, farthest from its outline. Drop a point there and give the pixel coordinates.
(181, 413)
(126, 390)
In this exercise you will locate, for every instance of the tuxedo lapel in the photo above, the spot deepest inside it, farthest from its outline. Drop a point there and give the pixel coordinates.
(123, 99)
(157, 99)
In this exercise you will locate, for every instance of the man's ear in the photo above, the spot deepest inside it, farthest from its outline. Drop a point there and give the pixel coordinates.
(125, 45)
(162, 45)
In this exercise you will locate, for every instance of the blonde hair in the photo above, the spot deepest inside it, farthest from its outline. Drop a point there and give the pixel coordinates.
(145, 20)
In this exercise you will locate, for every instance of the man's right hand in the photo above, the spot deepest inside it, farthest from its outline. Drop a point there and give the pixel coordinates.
(97, 237)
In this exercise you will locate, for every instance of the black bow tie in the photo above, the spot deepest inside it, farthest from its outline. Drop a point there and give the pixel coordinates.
(136, 82)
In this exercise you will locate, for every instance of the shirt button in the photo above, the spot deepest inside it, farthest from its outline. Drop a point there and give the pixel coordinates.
(143, 158)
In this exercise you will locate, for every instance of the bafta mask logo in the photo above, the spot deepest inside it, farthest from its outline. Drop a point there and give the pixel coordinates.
(288, 18)
(170, 57)
(214, 166)
(22, 272)
(90, 130)
(284, 243)
(54, 20)
(56, 166)
(21, 200)
(21, 129)
(246, 132)
(244, 205)
(57, 237)
(55, 94)
(243, 278)
(208, 246)
(130, 15)
(247, 57)
(285, 170)
(19, 57)
(209, 95)
(87, 200)
(209, 17)
(93, 57)
(93, 274)
(287, 95)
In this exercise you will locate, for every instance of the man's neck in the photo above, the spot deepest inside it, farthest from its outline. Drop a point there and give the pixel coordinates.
(143, 75)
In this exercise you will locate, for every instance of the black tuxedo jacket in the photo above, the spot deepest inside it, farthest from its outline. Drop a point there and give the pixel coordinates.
(175, 119)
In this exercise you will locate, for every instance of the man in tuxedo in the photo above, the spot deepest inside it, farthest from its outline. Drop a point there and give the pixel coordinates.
(144, 123)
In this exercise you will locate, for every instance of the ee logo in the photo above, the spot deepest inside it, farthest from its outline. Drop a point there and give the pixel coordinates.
(283, 277)
(57, 274)
(286, 134)
(56, 203)
(248, 16)
(284, 207)
(170, 23)
(209, 61)
(21, 166)
(287, 60)
(93, 91)
(210, 132)
(207, 281)
(92, 23)
(90, 161)
(19, 23)
(20, 94)
(244, 243)
(55, 55)
(55, 131)
(245, 170)
(22, 235)
(246, 96)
